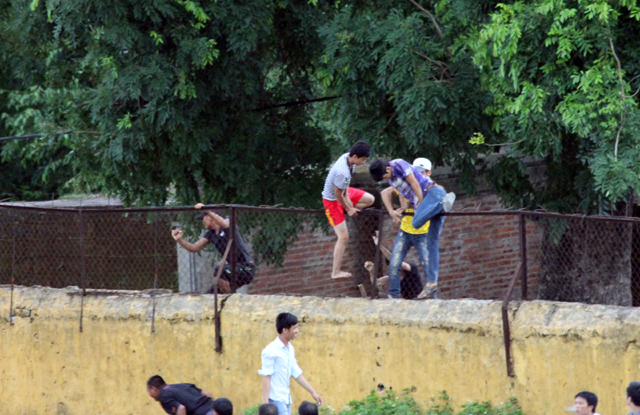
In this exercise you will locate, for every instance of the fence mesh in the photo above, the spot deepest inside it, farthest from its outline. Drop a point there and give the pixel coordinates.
(566, 258)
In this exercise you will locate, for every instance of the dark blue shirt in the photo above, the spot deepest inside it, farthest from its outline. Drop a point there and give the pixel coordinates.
(188, 395)
(220, 241)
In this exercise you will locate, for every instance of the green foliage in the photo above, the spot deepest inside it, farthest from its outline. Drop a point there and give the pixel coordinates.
(405, 89)
(559, 95)
(383, 404)
(180, 99)
(168, 95)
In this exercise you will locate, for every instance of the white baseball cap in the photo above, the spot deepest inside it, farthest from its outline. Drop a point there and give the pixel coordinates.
(422, 164)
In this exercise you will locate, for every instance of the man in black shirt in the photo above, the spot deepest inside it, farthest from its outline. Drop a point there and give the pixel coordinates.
(218, 235)
(410, 282)
(181, 398)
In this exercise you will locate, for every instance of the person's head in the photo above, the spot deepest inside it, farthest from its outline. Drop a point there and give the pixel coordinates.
(207, 220)
(359, 153)
(423, 165)
(308, 408)
(287, 325)
(633, 394)
(223, 406)
(154, 386)
(585, 403)
(268, 409)
(380, 170)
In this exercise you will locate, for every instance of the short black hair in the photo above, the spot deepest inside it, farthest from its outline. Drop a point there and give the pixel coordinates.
(308, 408)
(360, 149)
(633, 391)
(377, 169)
(285, 321)
(223, 406)
(203, 214)
(268, 409)
(590, 397)
(156, 381)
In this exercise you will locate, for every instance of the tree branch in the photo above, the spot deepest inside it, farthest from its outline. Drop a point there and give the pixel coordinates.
(622, 96)
(292, 103)
(619, 68)
(388, 122)
(428, 13)
(505, 144)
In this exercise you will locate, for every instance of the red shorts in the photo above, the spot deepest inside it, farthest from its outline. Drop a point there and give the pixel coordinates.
(335, 211)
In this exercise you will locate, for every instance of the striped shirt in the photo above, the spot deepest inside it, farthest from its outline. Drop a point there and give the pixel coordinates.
(401, 170)
(339, 176)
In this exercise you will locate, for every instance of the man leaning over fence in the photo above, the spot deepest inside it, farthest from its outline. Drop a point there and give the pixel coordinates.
(217, 234)
(412, 185)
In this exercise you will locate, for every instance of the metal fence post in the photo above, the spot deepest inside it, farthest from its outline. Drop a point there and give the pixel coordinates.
(155, 279)
(506, 329)
(233, 253)
(216, 281)
(523, 254)
(377, 266)
(13, 272)
(83, 281)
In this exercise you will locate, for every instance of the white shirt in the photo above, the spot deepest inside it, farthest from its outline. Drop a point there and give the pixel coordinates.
(339, 176)
(279, 362)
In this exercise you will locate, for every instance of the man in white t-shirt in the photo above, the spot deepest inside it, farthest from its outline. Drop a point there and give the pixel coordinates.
(279, 364)
(338, 198)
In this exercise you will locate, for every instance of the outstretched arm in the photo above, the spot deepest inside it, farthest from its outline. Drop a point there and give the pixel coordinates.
(303, 382)
(197, 247)
(385, 251)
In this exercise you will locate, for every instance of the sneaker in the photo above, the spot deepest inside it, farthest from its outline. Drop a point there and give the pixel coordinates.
(428, 293)
(447, 201)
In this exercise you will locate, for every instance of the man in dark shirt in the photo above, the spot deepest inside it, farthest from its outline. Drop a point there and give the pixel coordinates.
(218, 235)
(410, 281)
(181, 398)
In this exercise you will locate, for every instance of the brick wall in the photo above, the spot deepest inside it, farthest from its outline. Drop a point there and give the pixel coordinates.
(478, 256)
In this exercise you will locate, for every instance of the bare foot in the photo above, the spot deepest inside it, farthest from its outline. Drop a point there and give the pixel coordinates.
(341, 274)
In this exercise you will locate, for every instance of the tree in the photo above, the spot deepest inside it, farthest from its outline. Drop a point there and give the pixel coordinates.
(22, 69)
(564, 85)
(406, 87)
(176, 95)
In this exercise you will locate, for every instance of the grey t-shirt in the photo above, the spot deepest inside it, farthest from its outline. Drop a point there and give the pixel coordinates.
(339, 176)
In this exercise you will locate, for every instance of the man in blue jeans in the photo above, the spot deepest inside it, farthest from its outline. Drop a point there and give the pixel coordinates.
(428, 200)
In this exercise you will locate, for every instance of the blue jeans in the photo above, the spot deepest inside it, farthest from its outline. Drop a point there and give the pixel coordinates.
(429, 210)
(283, 408)
(404, 241)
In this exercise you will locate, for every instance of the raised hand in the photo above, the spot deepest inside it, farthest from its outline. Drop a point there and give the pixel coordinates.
(177, 234)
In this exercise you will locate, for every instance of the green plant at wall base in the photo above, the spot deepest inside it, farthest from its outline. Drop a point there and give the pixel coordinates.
(383, 404)
(387, 403)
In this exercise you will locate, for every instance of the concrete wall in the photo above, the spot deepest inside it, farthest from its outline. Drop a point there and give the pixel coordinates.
(346, 348)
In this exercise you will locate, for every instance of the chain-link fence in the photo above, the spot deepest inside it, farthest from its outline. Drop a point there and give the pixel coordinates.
(265, 250)
(290, 251)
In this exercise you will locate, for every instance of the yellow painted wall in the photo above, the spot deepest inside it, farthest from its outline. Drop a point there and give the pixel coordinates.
(346, 347)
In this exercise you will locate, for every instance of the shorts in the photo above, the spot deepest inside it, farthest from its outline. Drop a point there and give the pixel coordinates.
(244, 274)
(335, 211)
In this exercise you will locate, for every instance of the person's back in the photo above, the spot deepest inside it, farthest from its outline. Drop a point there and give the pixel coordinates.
(188, 395)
